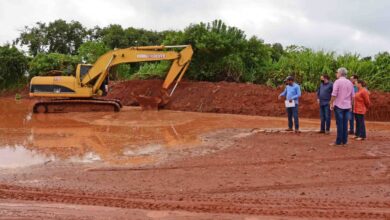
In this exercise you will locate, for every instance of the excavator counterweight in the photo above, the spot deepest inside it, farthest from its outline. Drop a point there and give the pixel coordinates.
(82, 91)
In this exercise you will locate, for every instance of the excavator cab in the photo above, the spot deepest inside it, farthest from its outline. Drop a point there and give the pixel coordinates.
(82, 70)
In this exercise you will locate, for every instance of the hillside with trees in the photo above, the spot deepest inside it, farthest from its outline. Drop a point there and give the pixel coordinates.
(222, 53)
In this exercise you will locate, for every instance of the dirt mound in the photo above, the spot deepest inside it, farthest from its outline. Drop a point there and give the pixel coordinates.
(235, 98)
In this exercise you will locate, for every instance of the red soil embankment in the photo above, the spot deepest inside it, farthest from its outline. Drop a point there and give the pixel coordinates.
(235, 98)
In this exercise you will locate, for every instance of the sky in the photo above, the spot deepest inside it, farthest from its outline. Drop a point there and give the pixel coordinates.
(357, 26)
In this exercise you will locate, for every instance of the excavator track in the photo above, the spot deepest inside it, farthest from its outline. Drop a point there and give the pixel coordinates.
(77, 105)
(91, 99)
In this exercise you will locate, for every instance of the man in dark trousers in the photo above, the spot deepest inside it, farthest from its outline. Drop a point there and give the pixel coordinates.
(354, 78)
(341, 102)
(324, 94)
(104, 86)
(292, 92)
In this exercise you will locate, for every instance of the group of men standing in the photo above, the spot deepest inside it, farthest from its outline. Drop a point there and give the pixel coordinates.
(348, 98)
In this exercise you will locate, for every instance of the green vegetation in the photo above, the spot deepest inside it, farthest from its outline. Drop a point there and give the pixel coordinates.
(13, 67)
(18, 96)
(221, 53)
(152, 70)
(90, 51)
(55, 37)
(44, 62)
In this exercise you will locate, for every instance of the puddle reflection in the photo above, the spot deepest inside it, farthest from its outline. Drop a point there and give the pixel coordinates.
(129, 137)
(18, 156)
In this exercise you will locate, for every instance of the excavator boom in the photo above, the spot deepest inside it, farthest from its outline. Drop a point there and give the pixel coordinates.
(87, 84)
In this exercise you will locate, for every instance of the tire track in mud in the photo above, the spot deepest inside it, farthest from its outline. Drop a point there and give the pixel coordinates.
(298, 186)
(317, 160)
(205, 203)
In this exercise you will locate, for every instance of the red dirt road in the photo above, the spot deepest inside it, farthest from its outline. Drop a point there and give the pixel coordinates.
(263, 174)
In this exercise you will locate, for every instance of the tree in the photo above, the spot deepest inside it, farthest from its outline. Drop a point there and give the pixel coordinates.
(257, 59)
(142, 37)
(94, 34)
(34, 38)
(114, 36)
(56, 37)
(221, 52)
(63, 37)
(276, 52)
(90, 51)
(13, 67)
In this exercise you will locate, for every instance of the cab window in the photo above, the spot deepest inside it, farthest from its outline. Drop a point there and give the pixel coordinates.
(84, 70)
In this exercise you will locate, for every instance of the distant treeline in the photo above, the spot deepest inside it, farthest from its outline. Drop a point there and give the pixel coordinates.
(221, 53)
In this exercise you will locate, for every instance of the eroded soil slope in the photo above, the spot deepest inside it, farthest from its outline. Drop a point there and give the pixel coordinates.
(237, 98)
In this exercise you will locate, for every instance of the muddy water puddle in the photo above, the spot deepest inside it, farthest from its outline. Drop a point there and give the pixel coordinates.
(129, 137)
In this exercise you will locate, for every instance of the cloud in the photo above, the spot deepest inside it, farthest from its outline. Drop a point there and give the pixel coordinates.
(349, 25)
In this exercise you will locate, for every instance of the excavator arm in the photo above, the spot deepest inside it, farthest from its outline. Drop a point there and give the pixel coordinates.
(180, 62)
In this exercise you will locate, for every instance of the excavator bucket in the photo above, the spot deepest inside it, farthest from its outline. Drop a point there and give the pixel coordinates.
(153, 102)
(148, 102)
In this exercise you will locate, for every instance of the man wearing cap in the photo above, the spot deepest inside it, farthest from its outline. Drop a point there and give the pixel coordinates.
(342, 100)
(292, 92)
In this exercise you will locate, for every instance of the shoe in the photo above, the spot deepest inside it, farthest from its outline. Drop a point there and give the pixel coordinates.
(335, 145)
(321, 132)
(355, 137)
(327, 132)
(359, 139)
(289, 129)
(297, 131)
(351, 133)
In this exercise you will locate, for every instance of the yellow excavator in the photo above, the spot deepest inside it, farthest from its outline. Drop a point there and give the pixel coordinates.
(82, 91)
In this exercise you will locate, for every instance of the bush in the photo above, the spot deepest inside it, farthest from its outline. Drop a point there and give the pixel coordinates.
(13, 67)
(124, 71)
(42, 63)
(304, 64)
(157, 70)
(380, 76)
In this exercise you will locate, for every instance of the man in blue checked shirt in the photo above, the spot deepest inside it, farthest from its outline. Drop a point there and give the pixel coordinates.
(292, 92)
